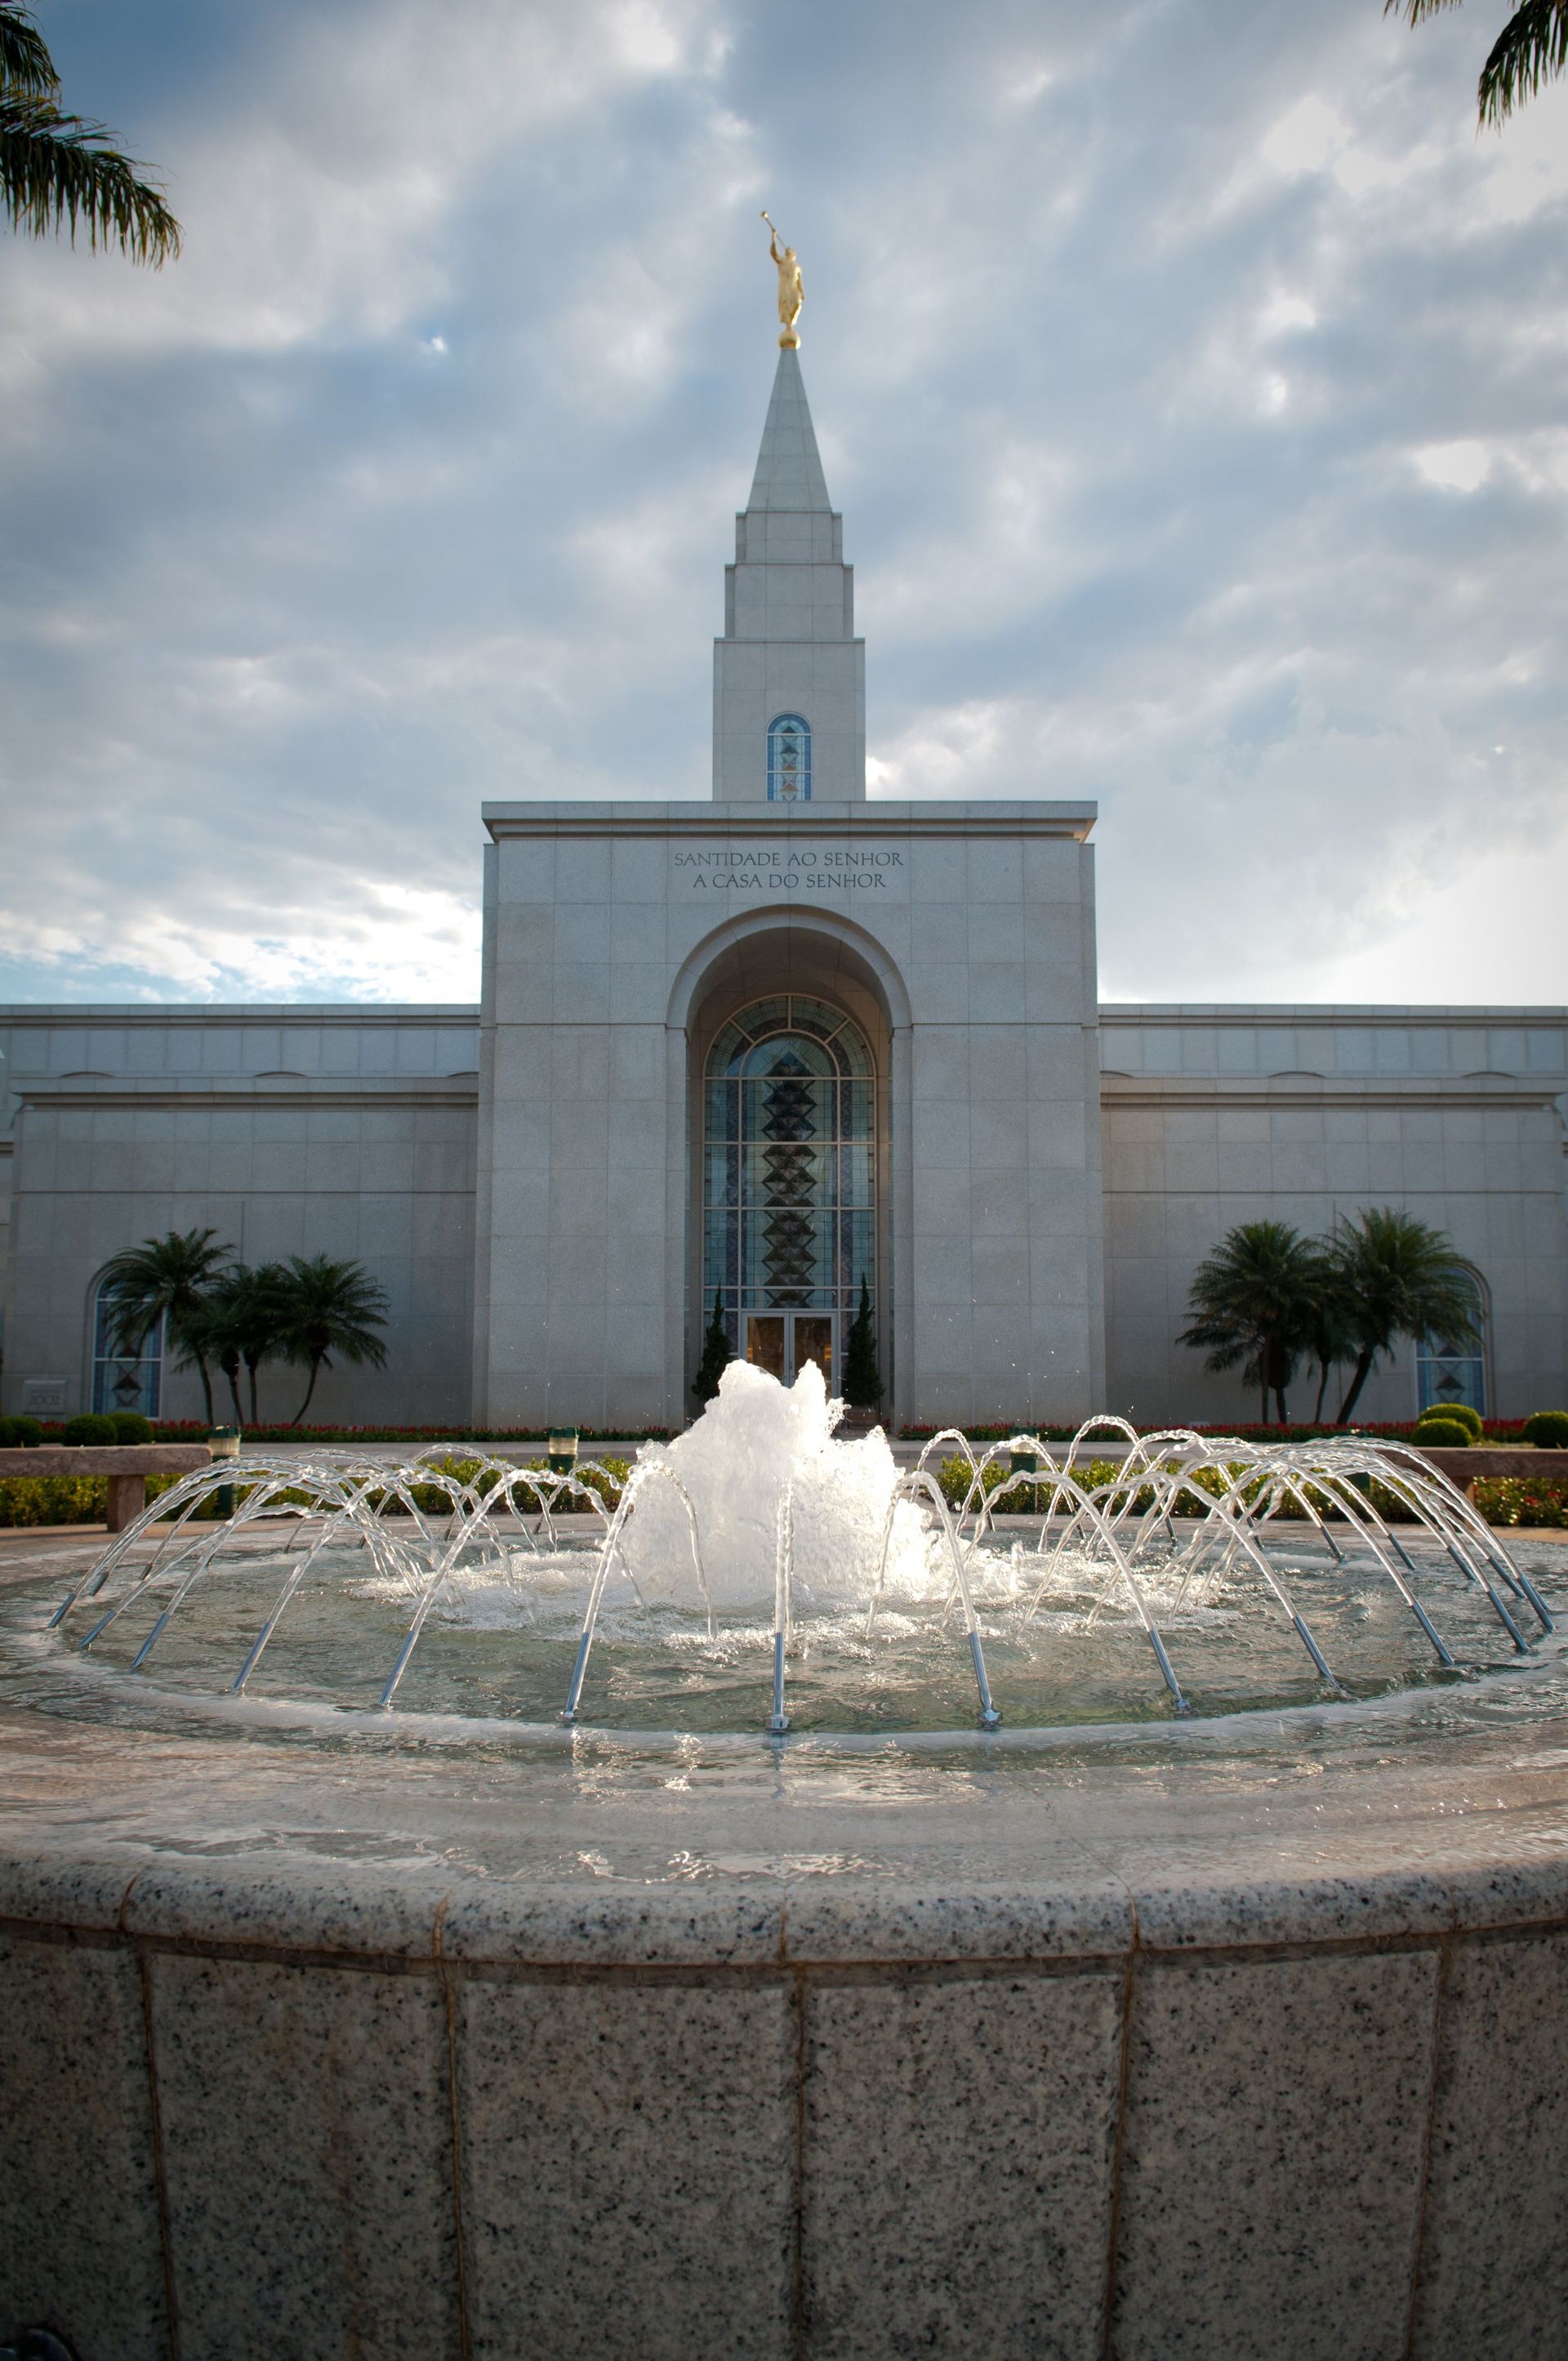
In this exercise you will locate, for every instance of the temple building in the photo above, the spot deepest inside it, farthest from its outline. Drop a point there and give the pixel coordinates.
(760, 1049)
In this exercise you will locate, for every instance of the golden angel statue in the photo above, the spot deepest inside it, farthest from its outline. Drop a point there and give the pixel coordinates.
(792, 288)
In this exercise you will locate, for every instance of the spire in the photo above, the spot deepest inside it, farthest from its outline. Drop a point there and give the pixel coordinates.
(789, 472)
(789, 675)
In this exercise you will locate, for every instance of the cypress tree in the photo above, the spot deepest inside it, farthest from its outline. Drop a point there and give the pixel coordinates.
(862, 1378)
(715, 1352)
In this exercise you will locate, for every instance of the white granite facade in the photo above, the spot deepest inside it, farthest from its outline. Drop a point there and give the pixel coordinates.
(1214, 1115)
(340, 1131)
(523, 1178)
(958, 935)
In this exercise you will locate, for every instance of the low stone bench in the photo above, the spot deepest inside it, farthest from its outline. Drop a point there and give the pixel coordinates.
(1482, 1460)
(127, 1467)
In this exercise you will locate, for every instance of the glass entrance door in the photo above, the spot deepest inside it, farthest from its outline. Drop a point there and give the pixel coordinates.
(782, 1341)
(811, 1340)
(767, 1341)
(788, 1181)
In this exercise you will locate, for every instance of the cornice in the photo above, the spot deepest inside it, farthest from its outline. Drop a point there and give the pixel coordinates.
(906, 822)
(1291, 1092)
(199, 1093)
(98, 1016)
(1238, 1014)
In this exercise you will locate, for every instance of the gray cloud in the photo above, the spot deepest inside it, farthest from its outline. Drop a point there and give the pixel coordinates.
(1189, 375)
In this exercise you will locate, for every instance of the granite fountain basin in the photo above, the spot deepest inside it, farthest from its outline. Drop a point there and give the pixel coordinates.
(331, 2030)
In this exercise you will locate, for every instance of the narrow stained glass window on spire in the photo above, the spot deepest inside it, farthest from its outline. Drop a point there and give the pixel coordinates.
(789, 760)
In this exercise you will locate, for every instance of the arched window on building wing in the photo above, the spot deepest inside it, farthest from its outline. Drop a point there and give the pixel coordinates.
(1448, 1371)
(789, 760)
(123, 1380)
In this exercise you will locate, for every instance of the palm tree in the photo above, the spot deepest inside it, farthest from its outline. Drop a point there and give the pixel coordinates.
(240, 1320)
(168, 1279)
(1331, 1337)
(326, 1307)
(206, 1338)
(1531, 47)
(56, 168)
(1252, 1300)
(1400, 1278)
(260, 1321)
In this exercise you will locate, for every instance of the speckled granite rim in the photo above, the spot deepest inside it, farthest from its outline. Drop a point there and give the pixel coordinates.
(802, 2055)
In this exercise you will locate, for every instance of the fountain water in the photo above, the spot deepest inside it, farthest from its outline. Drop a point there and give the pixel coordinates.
(758, 1538)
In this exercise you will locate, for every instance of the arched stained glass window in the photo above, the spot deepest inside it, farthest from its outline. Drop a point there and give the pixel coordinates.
(789, 1180)
(1449, 1373)
(789, 760)
(123, 1380)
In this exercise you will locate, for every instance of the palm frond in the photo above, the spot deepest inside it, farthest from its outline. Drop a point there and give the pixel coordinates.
(56, 170)
(24, 61)
(1532, 48)
(163, 1278)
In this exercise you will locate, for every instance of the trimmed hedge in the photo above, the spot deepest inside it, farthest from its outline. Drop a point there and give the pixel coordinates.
(1548, 1430)
(93, 1427)
(54, 1500)
(84, 1499)
(1027, 1496)
(194, 1430)
(1453, 1414)
(1445, 1435)
(1496, 1430)
(31, 1500)
(432, 1499)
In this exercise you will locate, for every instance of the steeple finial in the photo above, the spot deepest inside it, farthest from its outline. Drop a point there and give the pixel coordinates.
(792, 287)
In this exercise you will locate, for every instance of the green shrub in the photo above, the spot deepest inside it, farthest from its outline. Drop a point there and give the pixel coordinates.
(432, 1499)
(131, 1426)
(88, 1426)
(20, 1434)
(1519, 1500)
(83, 1499)
(1548, 1430)
(53, 1499)
(67, 1499)
(1443, 1434)
(1457, 1413)
(1030, 1496)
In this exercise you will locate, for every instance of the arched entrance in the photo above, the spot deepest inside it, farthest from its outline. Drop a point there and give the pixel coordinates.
(792, 963)
(789, 1181)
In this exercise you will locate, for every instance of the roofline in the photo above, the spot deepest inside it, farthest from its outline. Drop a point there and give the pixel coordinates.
(428, 1013)
(1321, 1012)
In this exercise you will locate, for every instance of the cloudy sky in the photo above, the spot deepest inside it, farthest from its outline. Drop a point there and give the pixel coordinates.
(1189, 373)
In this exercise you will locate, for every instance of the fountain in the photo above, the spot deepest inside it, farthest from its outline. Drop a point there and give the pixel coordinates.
(804, 1546)
(770, 1899)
